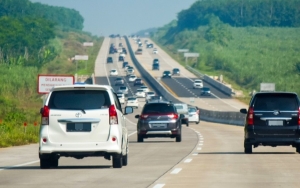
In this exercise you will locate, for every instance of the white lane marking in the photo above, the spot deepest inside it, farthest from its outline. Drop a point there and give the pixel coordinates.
(201, 144)
(188, 160)
(199, 148)
(176, 170)
(159, 186)
(201, 141)
(195, 153)
(19, 165)
(132, 134)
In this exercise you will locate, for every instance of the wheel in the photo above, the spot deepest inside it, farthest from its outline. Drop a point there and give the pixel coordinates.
(54, 163)
(140, 138)
(197, 122)
(45, 163)
(298, 148)
(248, 148)
(178, 138)
(117, 161)
(187, 124)
(125, 160)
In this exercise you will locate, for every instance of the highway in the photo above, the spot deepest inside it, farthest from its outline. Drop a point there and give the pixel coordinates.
(210, 154)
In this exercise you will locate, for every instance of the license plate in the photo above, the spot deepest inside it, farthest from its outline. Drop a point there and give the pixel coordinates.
(79, 127)
(275, 123)
(159, 125)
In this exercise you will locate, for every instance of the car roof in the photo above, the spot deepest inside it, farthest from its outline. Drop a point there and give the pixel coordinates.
(86, 86)
(197, 80)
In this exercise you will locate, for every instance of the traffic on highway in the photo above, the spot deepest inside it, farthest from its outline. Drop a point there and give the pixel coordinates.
(121, 131)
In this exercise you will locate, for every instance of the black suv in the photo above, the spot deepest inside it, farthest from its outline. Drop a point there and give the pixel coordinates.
(167, 74)
(109, 60)
(121, 58)
(159, 119)
(176, 71)
(155, 66)
(272, 120)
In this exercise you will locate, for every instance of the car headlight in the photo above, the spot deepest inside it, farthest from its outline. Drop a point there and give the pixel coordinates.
(169, 74)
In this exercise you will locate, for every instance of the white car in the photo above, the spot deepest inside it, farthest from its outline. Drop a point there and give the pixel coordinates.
(122, 54)
(79, 129)
(129, 72)
(194, 115)
(121, 98)
(123, 89)
(120, 50)
(132, 102)
(149, 94)
(113, 72)
(132, 78)
(198, 84)
(155, 51)
(140, 93)
(145, 88)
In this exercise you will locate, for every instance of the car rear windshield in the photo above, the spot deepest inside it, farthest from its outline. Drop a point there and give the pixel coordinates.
(79, 99)
(192, 110)
(198, 81)
(158, 108)
(123, 88)
(272, 102)
(131, 99)
(150, 93)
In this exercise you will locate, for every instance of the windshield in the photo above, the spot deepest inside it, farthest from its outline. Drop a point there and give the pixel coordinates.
(123, 88)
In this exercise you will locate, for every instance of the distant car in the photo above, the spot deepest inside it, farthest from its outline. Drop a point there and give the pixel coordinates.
(129, 72)
(132, 102)
(113, 72)
(166, 74)
(120, 50)
(140, 93)
(150, 45)
(121, 58)
(159, 119)
(145, 88)
(205, 91)
(132, 78)
(139, 51)
(155, 98)
(155, 61)
(149, 94)
(194, 114)
(109, 60)
(121, 98)
(138, 82)
(124, 51)
(119, 81)
(140, 45)
(124, 64)
(155, 66)
(197, 84)
(183, 109)
(155, 51)
(122, 54)
(120, 44)
(124, 90)
(176, 71)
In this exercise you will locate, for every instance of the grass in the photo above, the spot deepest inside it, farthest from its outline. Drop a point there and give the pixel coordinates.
(253, 55)
(19, 101)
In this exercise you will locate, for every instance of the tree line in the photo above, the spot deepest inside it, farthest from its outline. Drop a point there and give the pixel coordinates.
(26, 31)
(242, 13)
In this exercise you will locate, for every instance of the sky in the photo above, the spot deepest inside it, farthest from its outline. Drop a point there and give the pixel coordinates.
(125, 17)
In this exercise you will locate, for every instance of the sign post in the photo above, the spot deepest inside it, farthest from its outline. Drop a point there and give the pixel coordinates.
(81, 57)
(187, 55)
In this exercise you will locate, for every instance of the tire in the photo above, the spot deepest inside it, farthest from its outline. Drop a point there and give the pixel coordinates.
(45, 163)
(187, 124)
(178, 138)
(248, 148)
(125, 160)
(54, 163)
(140, 138)
(197, 122)
(117, 161)
(298, 148)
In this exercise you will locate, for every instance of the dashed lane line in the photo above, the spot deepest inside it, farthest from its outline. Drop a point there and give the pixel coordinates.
(176, 170)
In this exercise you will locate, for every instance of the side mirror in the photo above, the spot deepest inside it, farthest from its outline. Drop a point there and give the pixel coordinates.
(243, 111)
(181, 116)
(128, 110)
(137, 116)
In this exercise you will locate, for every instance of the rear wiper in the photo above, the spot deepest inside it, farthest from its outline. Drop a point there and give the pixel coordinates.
(82, 110)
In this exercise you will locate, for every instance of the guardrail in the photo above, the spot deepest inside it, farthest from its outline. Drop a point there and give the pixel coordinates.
(197, 73)
(232, 118)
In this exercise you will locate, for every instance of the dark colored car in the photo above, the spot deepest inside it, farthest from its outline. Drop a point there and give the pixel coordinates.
(155, 61)
(138, 82)
(159, 119)
(272, 120)
(109, 60)
(167, 74)
(176, 71)
(124, 50)
(205, 91)
(155, 66)
(124, 64)
(149, 45)
(121, 58)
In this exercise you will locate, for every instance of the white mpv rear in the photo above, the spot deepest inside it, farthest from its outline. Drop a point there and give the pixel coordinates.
(83, 121)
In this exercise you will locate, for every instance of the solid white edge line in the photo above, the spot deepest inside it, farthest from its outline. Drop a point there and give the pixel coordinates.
(176, 170)
(159, 186)
(19, 165)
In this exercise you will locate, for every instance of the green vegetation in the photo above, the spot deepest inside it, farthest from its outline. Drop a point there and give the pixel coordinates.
(29, 46)
(245, 56)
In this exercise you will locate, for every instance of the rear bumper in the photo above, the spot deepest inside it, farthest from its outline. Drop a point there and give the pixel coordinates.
(160, 133)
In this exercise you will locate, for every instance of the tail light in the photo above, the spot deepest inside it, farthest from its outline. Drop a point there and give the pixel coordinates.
(299, 117)
(250, 116)
(113, 118)
(173, 116)
(45, 115)
(143, 116)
